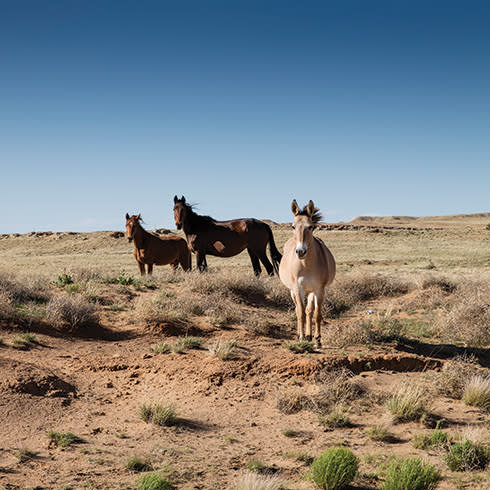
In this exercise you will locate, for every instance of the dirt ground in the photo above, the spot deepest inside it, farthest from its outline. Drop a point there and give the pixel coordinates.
(228, 415)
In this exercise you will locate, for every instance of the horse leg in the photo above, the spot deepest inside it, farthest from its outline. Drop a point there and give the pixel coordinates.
(310, 304)
(150, 269)
(141, 267)
(318, 318)
(255, 262)
(299, 302)
(174, 266)
(266, 262)
(202, 265)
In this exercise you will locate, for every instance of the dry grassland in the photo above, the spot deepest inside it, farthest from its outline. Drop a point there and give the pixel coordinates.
(106, 376)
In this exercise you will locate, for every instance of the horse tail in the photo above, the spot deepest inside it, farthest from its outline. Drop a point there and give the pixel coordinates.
(275, 254)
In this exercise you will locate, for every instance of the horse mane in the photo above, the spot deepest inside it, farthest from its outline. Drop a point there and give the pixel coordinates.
(198, 219)
(316, 217)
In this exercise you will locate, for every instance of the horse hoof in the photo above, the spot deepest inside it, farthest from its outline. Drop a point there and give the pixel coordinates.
(308, 338)
(317, 345)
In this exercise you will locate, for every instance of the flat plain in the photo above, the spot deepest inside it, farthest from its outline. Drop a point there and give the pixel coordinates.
(89, 348)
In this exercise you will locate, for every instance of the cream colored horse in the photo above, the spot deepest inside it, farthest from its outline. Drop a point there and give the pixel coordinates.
(307, 268)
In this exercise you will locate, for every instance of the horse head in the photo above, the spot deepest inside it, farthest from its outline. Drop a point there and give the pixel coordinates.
(180, 210)
(305, 221)
(132, 222)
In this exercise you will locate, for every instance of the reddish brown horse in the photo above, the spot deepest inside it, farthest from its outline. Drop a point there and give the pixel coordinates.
(205, 235)
(152, 250)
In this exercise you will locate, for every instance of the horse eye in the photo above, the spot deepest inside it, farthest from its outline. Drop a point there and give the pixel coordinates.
(292, 226)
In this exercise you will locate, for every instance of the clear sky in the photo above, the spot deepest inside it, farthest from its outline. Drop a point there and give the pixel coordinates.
(366, 107)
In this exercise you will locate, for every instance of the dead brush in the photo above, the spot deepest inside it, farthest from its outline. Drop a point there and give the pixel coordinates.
(351, 289)
(73, 311)
(454, 375)
(468, 321)
(336, 387)
(293, 399)
(25, 289)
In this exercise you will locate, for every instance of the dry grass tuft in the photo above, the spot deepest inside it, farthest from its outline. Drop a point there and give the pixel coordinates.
(224, 349)
(408, 403)
(256, 481)
(477, 392)
(73, 311)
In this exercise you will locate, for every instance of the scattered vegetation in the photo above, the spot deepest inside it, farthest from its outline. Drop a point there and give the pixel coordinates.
(185, 343)
(63, 439)
(135, 463)
(379, 433)
(437, 438)
(335, 468)
(24, 455)
(157, 414)
(336, 419)
(451, 381)
(256, 466)
(24, 340)
(411, 474)
(160, 348)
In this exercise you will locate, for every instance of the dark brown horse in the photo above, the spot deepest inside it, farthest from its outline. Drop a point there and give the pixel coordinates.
(205, 235)
(153, 250)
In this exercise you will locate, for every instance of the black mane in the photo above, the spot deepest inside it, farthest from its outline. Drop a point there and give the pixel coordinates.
(316, 217)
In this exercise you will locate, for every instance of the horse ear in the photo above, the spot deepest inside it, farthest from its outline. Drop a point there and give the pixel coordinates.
(294, 207)
(138, 217)
(127, 216)
(310, 208)
(175, 199)
(182, 199)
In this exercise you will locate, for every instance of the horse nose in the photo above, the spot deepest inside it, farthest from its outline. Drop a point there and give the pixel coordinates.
(130, 239)
(301, 250)
(178, 225)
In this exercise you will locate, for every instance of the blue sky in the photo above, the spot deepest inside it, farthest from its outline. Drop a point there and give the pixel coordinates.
(366, 107)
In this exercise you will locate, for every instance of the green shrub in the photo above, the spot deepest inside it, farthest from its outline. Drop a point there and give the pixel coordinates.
(256, 466)
(154, 481)
(62, 439)
(159, 414)
(426, 441)
(160, 348)
(411, 474)
(300, 347)
(335, 468)
(467, 456)
(185, 343)
(138, 464)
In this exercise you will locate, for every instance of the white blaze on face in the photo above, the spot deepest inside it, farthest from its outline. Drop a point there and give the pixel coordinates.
(301, 249)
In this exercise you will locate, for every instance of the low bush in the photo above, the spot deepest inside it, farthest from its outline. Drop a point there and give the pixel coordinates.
(164, 415)
(411, 474)
(437, 438)
(334, 469)
(224, 349)
(138, 464)
(467, 456)
(72, 311)
(154, 481)
(62, 439)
